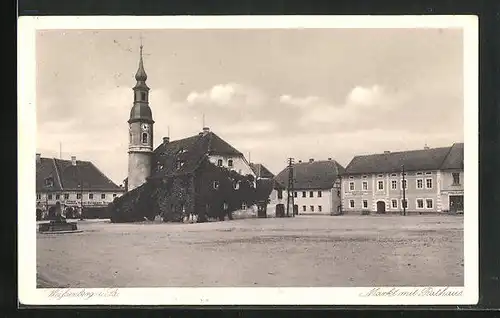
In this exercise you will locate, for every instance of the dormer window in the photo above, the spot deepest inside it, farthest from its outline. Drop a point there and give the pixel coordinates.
(144, 138)
(237, 185)
(219, 162)
(230, 163)
(216, 185)
(49, 182)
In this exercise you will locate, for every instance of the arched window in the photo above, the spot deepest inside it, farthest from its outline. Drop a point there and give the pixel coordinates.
(143, 96)
(144, 138)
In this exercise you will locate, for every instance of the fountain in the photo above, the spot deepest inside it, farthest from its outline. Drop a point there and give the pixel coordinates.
(58, 224)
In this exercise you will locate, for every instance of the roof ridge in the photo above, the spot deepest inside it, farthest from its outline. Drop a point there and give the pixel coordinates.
(56, 168)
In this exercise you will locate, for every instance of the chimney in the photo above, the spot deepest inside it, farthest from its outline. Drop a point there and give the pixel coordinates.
(311, 160)
(206, 130)
(38, 158)
(73, 160)
(387, 152)
(329, 159)
(166, 140)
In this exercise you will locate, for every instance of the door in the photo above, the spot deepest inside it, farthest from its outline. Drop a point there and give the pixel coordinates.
(295, 209)
(380, 207)
(456, 203)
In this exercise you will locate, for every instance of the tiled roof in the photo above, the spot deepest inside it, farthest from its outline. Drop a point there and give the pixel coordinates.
(66, 177)
(261, 171)
(312, 175)
(455, 158)
(190, 152)
(413, 160)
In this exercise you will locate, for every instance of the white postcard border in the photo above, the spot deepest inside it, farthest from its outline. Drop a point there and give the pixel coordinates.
(30, 295)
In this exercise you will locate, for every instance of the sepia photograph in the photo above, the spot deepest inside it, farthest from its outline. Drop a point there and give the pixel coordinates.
(203, 154)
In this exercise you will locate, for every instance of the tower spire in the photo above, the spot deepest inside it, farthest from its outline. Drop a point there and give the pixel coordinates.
(141, 75)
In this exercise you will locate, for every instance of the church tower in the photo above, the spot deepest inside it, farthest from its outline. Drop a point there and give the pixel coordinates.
(140, 145)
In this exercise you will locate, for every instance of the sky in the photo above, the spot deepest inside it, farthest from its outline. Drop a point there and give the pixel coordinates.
(271, 93)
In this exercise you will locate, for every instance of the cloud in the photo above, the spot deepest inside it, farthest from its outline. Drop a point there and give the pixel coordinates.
(227, 95)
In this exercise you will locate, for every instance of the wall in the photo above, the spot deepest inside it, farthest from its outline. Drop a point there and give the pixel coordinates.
(240, 165)
(139, 168)
(42, 198)
(387, 194)
(325, 201)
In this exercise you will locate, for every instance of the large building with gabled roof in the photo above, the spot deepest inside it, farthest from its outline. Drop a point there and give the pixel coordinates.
(73, 184)
(433, 181)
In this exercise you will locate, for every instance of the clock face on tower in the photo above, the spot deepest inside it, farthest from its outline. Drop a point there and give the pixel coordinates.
(144, 127)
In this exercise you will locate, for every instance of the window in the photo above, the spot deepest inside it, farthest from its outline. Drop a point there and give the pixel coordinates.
(364, 177)
(303, 194)
(143, 96)
(351, 204)
(351, 177)
(419, 173)
(393, 175)
(114, 195)
(304, 208)
(365, 185)
(180, 164)
(456, 178)
(311, 194)
(394, 204)
(237, 185)
(49, 182)
(429, 203)
(295, 194)
(216, 185)
(79, 196)
(428, 183)
(365, 204)
(144, 138)
(130, 138)
(320, 208)
(380, 176)
(243, 206)
(320, 194)
(404, 203)
(66, 196)
(103, 196)
(219, 162)
(38, 196)
(312, 208)
(50, 196)
(404, 184)
(428, 172)
(230, 163)
(91, 196)
(351, 186)
(420, 203)
(380, 185)
(420, 183)
(58, 196)
(394, 185)
(280, 194)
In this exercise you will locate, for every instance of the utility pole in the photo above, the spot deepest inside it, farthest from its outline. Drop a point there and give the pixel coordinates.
(289, 198)
(404, 189)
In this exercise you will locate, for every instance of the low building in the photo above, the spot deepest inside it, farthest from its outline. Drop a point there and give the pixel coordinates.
(432, 181)
(73, 184)
(274, 192)
(316, 186)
